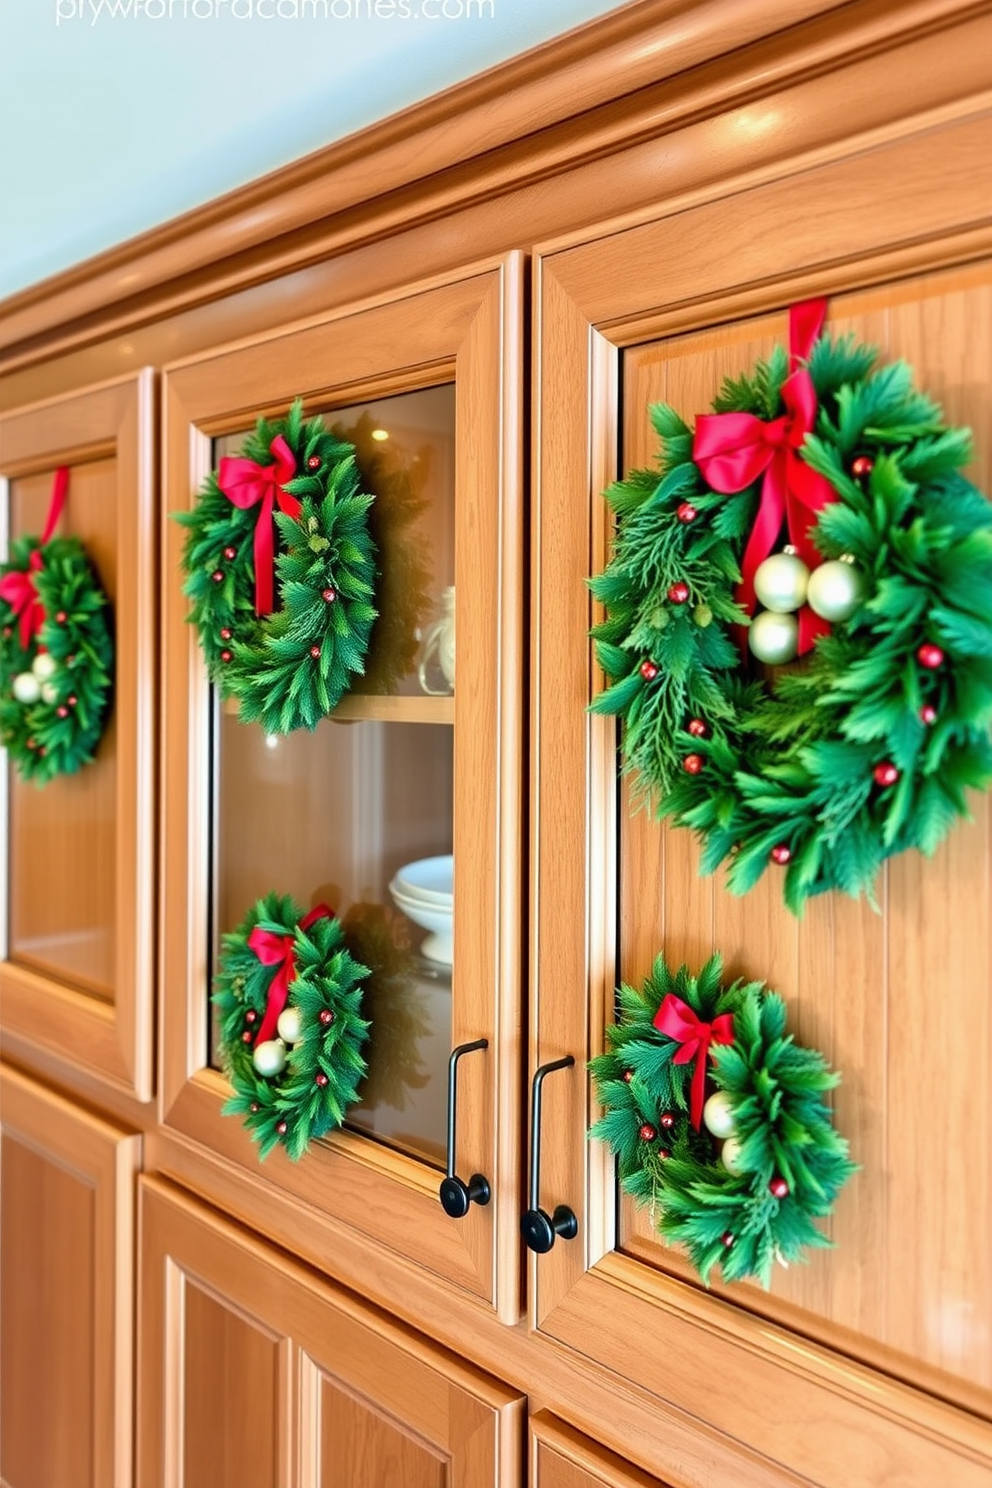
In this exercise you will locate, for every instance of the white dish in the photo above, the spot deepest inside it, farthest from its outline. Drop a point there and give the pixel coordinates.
(428, 879)
(437, 919)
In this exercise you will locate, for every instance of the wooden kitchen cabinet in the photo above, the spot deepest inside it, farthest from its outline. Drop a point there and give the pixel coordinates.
(563, 1458)
(66, 1303)
(77, 974)
(254, 1373)
(395, 774)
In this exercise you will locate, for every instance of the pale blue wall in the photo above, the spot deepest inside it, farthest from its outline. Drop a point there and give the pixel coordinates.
(114, 116)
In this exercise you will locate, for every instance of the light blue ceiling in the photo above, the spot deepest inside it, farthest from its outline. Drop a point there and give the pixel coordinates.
(118, 114)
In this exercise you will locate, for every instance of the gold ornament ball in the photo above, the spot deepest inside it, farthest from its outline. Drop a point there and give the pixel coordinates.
(44, 666)
(290, 1025)
(26, 688)
(774, 638)
(780, 582)
(269, 1058)
(730, 1156)
(718, 1115)
(836, 589)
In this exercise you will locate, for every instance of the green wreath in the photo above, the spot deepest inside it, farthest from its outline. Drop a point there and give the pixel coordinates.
(289, 1000)
(287, 666)
(870, 744)
(56, 655)
(740, 1179)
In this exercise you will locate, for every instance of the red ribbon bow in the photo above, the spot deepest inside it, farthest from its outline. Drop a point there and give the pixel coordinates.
(732, 449)
(18, 587)
(280, 950)
(245, 484)
(676, 1019)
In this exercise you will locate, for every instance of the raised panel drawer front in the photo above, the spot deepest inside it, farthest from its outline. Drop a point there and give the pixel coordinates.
(873, 1362)
(79, 857)
(563, 1458)
(255, 1374)
(412, 767)
(66, 1292)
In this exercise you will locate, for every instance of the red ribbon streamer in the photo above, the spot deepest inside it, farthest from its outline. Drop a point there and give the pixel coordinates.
(245, 484)
(676, 1019)
(280, 950)
(732, 450)
(18, 588)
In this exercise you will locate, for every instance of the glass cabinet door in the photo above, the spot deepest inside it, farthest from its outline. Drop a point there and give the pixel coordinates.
(413, 779)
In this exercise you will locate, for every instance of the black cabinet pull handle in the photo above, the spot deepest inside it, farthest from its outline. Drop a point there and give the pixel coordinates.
(538, 1228)
(455, 1194)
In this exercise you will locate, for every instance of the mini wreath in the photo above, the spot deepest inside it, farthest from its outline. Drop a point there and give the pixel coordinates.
(869, 746)
(737, 1176)
(287, 666)
(56, 655)
(289, 1000)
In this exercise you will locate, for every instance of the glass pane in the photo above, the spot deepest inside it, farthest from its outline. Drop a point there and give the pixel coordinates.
(62, 837)
(334, 816)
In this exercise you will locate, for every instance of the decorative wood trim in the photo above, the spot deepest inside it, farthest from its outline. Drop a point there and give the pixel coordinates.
(551, 1436)
(107, 1160)
(516, 125)
(116, 417)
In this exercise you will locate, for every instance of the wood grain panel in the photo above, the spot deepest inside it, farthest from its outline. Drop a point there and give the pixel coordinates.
(230, 1396)
(361, 1448)
(66, 1301)
(563, 1458)
(62, 916)
(909, 1273)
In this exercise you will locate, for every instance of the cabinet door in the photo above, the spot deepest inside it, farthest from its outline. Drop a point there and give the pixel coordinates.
(66, 1293)
(563, 1458)
(893, 1377)
(77, 977)
(429, 388)
(253, 1374)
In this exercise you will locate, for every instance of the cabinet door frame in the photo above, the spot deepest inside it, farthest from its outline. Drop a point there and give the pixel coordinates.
(592, 301)
(373, 1357)
(466, 329)
(105, 1159)
(114, 1040)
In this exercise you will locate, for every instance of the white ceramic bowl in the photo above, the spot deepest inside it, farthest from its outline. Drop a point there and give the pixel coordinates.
(430, 880)
(435, 918)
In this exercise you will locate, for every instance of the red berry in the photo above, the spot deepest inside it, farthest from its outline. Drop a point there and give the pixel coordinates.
(32, 744)
(251, 1015)
(930, 656)
(315, 652)
(314, 462)
(61, 617)
(862, 466)
(230, 553)
(885, 773)
(628, 1075)
(928, 714)
(692, 764)
(697, 728)
(226, 634)
(778, 1188)
(664, 1153)
(282, 1128)
(72, 700)
(647, 1133)
(7, 632)
(225, 655)
(71, 660)
(679, 593)
(42, 750)
(781, 854)
(62, 711)
(648, 671)
(686, 512)
(668, 1121)
(217, 576)
(320, 1079)
(255, 1108)
(328, 595)
(247, 1036)
(326, 1017)
(726, 1239)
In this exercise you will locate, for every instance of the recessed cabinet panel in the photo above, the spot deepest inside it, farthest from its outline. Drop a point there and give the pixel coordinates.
(362, 1448)
(80, 850)
(417, 770)
(230, 1397)
(563, 1458)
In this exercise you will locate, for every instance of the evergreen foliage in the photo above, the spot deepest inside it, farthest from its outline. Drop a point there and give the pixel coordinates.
(789, 764)
(320, 1080)
(57, 736)
(287, 670)
(777, 1092)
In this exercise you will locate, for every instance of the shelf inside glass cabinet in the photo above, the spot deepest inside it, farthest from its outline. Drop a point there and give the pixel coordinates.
(332, 816)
